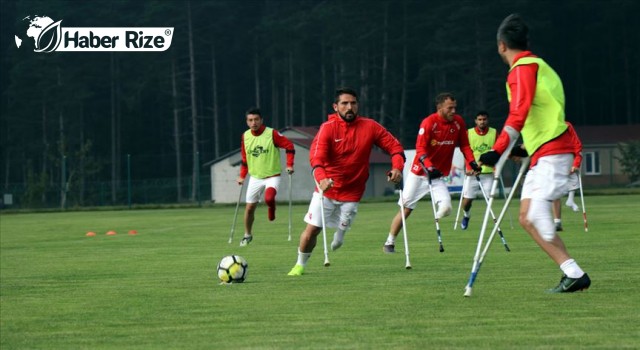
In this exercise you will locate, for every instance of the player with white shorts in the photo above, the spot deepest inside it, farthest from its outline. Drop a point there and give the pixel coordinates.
(256, 187)
(337, 214)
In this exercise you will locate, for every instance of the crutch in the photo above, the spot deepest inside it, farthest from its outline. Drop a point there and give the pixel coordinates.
(290, 186)
(584, 210)
(464, 185)
(504, 193)
(235, 215)
(493, 216)
(399, 187)
(433, 202)
(477, 259)
(324, 228)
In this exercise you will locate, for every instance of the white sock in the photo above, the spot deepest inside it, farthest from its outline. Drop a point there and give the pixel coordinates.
(247, 234)
(571, 269)
(557, 221)
(303, 258)
(466, 213)
(391, 240)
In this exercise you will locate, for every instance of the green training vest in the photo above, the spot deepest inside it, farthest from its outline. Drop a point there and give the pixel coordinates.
(545, 120)
(481, 144)
(263, 157)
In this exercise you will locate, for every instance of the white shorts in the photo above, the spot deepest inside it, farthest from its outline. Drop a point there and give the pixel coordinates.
(472, 187)
(256, 187)
(416, 187)
(548, 179)
(336, 214)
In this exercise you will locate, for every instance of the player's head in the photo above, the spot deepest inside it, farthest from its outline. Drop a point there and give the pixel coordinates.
(513, 32)
(254, 118)
(346, 104)
(446, 105)
(482, 120)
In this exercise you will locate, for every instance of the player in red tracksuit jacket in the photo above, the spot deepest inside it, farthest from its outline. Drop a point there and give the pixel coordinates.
(339, 157)
(438, 136)
(573, 184)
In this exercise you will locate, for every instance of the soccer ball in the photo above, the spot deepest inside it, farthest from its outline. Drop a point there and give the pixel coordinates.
(232, 269)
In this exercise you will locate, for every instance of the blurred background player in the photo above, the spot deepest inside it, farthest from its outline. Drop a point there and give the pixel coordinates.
(481, 138)
(261, 159)
(339, 157)
(438, 136)
(573, 184)
(536, 110)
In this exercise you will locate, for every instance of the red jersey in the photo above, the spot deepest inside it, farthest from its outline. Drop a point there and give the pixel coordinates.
(522, 82)
(340, 151)
(279, 141)
(577, 146)
(438, 138)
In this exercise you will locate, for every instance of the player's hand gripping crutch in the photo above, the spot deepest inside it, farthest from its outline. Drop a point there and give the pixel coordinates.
(464, 186)
(433, 201)
(399, 187)
(584, 209)
(235, 215)
(513, 136)
(495, 221)
(324, 226)
(290, 187)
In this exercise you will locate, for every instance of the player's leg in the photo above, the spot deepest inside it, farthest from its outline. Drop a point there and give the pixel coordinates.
(309, 236)
(272, 184)
(415, 187)
(347, 212)
(254, 191)
(557, 215)
(471, 188)
(442, 198)
(546, 182)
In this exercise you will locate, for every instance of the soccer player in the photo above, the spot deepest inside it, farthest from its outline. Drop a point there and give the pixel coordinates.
(339, 157)
(438, 136)
(536, 110)
(261, 159)
(573, 184)
(481, 138)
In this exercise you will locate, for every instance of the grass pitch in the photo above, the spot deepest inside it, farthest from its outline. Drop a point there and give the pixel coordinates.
(158, 289)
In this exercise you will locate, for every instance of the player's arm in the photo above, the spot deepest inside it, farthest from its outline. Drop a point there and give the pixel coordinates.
(319, 153)
(282, 141)
(422, 143)
(244, 169)
(522, 84)
(386, 141)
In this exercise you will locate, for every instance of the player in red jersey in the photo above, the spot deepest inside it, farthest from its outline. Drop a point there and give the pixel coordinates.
(438, 136)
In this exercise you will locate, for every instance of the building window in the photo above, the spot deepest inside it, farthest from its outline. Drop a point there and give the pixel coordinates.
(592, 163)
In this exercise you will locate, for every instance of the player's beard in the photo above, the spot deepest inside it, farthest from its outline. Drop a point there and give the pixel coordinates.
(349, 116)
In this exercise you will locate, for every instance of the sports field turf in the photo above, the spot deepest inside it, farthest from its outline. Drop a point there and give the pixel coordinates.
(158, 289)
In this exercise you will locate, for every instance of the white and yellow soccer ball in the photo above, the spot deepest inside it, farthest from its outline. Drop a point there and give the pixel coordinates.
(232, 269)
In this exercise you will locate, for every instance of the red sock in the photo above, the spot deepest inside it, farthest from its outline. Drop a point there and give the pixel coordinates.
(270, 198)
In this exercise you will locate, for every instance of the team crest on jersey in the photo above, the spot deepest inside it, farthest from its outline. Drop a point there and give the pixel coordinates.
(483, 148)
(451, 131)
(256, 152)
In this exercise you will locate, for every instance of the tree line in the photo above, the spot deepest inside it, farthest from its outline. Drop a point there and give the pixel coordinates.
(70, 119)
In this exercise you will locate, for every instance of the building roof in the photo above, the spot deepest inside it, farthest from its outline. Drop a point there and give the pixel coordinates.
(607, 134)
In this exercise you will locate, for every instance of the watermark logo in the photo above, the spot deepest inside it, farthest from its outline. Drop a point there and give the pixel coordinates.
(48, 35)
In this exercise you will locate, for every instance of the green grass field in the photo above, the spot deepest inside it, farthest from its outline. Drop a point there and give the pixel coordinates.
(158, 289)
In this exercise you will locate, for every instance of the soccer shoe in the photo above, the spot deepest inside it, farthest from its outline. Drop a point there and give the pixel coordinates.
(297, 270)
(246, 240)
(465, 223)
(570, 285)
(559, 227)
(389, 248)
(271, 213)
(572, 205)
(335, 245)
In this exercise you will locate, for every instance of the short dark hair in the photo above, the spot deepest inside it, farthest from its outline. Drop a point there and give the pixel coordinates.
(254, 110)
(484, 113)
(443, 97)
(344, 90)
(514, 32)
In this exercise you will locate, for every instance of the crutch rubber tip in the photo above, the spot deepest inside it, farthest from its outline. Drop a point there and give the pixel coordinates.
(441, 249)
(467, 291)
(408, 267)
(506, 247)
(230, 240)
(327, 264)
